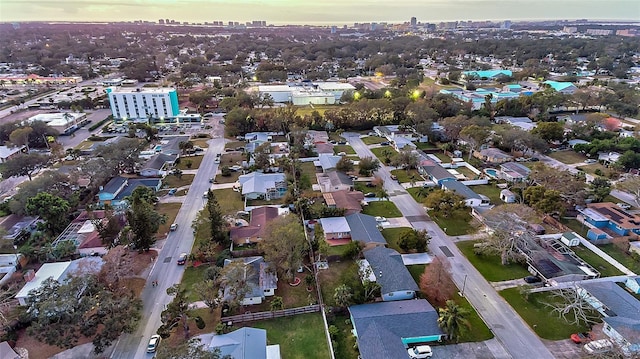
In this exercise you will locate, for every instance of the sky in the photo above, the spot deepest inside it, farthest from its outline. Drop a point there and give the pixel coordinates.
(322, 12)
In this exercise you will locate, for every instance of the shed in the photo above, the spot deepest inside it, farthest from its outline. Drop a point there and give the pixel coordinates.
(507, 196)
(570, 239)
(598, 235)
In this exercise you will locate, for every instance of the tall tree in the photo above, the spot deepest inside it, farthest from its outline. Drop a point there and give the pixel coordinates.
(20, 136)
(235, 277)
(143, 220)
(284, 244)
(549, 131)
(216, 221)
(599, 188)
(344, 165)
(53, 209)
(343, 295)
(475, 136)
(444, 202)
(368, 165)
(191, 349)
(23, 165)
(176, 312)
(452, 320)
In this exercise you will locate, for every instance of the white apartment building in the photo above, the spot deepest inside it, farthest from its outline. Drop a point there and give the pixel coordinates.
(143, 103)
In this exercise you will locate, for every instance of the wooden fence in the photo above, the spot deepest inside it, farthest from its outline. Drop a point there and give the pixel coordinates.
(249, 317)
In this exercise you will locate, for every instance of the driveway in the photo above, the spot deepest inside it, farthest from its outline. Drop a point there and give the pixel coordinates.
(483, 350)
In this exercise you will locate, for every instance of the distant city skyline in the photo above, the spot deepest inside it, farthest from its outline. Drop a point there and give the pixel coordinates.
(320, 12)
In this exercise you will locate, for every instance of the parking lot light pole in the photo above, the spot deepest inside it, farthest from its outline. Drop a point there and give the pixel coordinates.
(464, 284)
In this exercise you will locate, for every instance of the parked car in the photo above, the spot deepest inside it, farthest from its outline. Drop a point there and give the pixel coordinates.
(420, 352)
(535, 159)
(598, 346)
(206, 194)
(153, 343)
(623, 205)
(394, 177)
(173, 227)
(590, 160)
(579, 338)
(532, 279)
(380, 219)
(182, 259)
(172, 192)
(369, 194)
(384, 143)
(211, 180)
(369, 184)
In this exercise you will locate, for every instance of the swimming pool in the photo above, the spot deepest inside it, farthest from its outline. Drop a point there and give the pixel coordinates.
(493, 173)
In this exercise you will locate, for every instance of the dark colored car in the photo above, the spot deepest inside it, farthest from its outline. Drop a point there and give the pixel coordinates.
(370, 195)
(182, 259)
(384, 144)
(535, 159)
(532, 279)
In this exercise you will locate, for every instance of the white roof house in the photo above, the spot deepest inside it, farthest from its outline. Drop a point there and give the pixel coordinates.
(335, 225)
(8, 152)
(270, 185)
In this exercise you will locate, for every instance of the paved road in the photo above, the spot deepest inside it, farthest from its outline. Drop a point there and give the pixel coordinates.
(517, 339)
(165, 270)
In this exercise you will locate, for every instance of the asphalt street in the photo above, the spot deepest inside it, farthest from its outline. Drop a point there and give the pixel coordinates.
(515, 336)
(165, 270)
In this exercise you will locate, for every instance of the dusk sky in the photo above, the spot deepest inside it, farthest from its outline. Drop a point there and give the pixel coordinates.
(328, 12)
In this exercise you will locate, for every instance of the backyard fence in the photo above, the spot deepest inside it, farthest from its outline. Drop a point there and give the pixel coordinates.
(250, 317)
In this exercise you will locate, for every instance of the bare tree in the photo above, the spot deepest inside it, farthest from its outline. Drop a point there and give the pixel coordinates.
(507, 223)
(436, 283)
(570, 305)
(632, 186)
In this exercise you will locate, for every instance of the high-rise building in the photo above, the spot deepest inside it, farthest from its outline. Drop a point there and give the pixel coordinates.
(143, 103)
(414, 21)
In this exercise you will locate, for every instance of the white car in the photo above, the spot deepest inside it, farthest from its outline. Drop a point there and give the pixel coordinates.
(623, 205)
(420, 352)
(598, 346)
(153, 343)
(173, 227)
(381, 219)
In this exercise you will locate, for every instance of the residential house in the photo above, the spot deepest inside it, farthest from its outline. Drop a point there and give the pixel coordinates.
(60, 272)
(402, 144)
(334, 181)
(7, 352)
(314, 137)
(336, 230)
(327, 162)
(507, 196)
(514, 171)
(562, 87)
(523, 123)
(170, 145)
(435, 172)
(471, 199)
(324, 148)
(83, 234)
(7, 153)
(608, 158)
(118, 188)
(269, 186)
(620, 311)
(245, 343)
(394, 132)
(385, 266)
(576, 141)
(633, 284)
(14, 226)
(612, 219)
(350, 201)
(387, 329)
(364, 229)
(493, 155)
(253, 233)
(260, 278)
(158, 165)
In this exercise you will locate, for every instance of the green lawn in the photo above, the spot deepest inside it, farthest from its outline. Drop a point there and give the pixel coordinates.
(373, 140)
(362, 187)
(192, 277)
(538, 316)
(405, 177)
(194, 160)
(392, 235)
(333, 136)
(309, 169)
(568, 156)
(380, 151)
(228, 179)
(308, 110)
(171, 210)
(344, 148)
(425, 145)
(489, 265)
(605, 269)
(489, 190)
(591, 169)
(622, 257)
(444, 158)
(466, 172)
(299, 336)
(235, 144)
(344, 343)
(416, 271)
(172, 181)
(231, 159)
(457, 224)
(479, 330)
(229, 200)
(343, 272)
(575, 226)
(416, 191)
(382, 208)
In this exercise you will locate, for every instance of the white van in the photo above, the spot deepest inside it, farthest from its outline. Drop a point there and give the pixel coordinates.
(598, 346)
(420, 352)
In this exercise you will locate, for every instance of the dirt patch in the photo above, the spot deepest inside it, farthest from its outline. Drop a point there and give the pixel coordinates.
(40, 350)
(142, 261)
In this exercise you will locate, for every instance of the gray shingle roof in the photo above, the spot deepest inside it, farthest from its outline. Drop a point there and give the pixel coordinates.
(460, 189)
(617, 300)
(390, 271)
(364, 228)
(436, 171)
(244, 343)
(382, 326)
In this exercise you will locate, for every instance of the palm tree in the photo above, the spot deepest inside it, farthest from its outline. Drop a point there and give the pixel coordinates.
(452, 320)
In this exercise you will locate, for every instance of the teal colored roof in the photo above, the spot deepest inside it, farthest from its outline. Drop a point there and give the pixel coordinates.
(516, 86)
(558, 86)
(489, 73)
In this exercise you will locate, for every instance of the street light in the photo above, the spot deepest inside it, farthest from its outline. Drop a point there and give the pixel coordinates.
(464, 284)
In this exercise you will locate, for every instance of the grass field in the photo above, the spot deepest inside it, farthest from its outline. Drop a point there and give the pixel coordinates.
(605, 269)
(622, 257)
(309, 169)
(479, 330)
(172, 181)
(195, 162)
(457, 224)
(171, 210)
(490, 191)
(229, 200)
(539, 316)
(344, 343)
(231, 159)
(229, 179)
(193, 276)
(568, 156)
(373, 140)
(380, 151)
(489, 265)
(382, 208)
(591, 169)
(299, 336)
(416, 271)
(308, 110)
(425, 145)
(234, 144)
(392, 235)
(405, 177)
(344, 148)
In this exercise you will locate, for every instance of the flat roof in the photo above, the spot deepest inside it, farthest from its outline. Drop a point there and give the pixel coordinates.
(334, 86)
(48, 270)
(141, 90)
(274, 88)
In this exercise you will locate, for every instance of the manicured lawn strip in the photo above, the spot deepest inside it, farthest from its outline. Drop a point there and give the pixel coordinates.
(344, 148)
(344, 343)
(568, 156)
(457, 224)
(337, 250)
(416, 271)
(489, 265)
(229, 179)
(415, 193)
(392, 235)
(379, 152)
(373, 140)
(382, 208)
(201, 142)
(308, 110)
(230, 201)
(234, 144)
(405, 177)
(467, 173)
(334, 136)
(489, 190)
(444, 158)
(425, 145)
(575, 226)
(362, 187)
(192, 277)
(309, 169)
(538, 315)
(622, 257)
(605, 269)
(230, 159)
(172, 181)
(591, 169)
(299, 336)
(195, 162)
(479, 330)
(171, 210)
